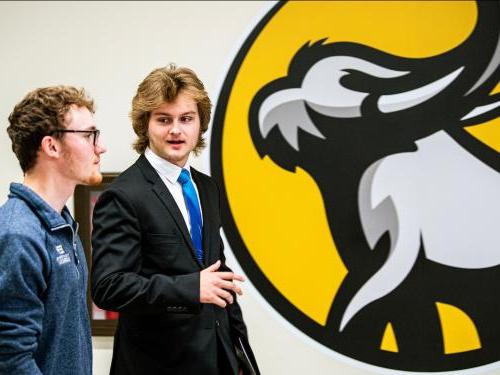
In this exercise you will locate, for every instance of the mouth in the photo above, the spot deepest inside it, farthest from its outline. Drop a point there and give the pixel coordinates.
(175, 142)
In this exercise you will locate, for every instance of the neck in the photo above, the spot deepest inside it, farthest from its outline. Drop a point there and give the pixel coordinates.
(53, 188)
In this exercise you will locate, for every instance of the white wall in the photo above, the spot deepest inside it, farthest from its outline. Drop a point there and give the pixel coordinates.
(108, 48)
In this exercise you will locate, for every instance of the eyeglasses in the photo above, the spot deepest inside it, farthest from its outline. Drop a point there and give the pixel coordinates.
(95, 133)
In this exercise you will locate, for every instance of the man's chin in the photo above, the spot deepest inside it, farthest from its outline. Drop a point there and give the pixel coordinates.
(94, 179)
(178, 158)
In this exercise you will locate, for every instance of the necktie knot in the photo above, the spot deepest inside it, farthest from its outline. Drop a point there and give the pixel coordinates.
(184, 177)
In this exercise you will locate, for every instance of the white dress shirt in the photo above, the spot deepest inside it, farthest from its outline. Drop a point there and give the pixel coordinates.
(169, 173)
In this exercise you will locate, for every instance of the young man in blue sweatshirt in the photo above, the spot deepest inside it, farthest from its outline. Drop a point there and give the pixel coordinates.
(44, 323)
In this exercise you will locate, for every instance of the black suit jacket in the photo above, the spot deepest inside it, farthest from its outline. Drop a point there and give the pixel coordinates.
(144, 266)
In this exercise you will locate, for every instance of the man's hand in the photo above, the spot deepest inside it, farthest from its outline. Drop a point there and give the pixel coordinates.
(215, 286)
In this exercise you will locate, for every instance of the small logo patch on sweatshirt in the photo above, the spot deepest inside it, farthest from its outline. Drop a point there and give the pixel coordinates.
(60, 249)
(62, 259)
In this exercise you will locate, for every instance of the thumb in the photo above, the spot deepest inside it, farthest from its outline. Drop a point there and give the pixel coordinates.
(214, 267)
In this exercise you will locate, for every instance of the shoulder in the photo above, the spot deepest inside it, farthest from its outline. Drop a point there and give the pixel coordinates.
(130, 183)
(21, 232)
(130, 176)
(17, 218)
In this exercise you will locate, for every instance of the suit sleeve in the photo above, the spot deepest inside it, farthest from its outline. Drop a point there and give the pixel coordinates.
(116, 281)
(238, 326)
(239, 334)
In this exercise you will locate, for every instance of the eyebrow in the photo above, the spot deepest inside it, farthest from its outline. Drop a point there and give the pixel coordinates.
(89, 128)
(168, 114)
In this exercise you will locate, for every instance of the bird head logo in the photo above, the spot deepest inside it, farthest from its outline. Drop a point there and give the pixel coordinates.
(408, 194)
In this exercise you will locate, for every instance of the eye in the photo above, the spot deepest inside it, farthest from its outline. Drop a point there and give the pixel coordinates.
(164, 120)
(187, 118)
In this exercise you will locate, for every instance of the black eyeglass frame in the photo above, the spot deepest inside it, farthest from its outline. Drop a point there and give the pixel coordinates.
(95, 133)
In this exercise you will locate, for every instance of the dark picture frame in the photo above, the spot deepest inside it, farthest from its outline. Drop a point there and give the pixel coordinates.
(103, 323)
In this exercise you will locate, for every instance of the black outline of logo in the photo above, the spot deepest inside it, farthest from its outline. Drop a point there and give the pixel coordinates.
(287, 310)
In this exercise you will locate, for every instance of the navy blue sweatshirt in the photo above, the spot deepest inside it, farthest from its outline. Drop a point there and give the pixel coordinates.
(44, 323)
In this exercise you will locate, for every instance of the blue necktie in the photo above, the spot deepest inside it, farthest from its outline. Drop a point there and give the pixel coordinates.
(193, 207)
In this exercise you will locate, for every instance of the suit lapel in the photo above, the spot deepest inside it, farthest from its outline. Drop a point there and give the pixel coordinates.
(168, 201)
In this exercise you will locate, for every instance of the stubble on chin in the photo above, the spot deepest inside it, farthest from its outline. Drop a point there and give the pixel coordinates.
(95, 178)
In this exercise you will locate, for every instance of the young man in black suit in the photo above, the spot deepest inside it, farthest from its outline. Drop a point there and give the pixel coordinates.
(157, 252)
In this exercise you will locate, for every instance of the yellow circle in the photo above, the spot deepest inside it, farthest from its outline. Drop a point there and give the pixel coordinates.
(280, 215)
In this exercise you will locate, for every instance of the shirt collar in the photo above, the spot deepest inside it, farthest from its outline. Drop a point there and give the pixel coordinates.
(52, 219)
(165, 168)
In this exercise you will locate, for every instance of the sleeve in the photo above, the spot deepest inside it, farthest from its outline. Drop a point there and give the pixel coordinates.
(22, 285)
(238, 326)
(239, 334)
(116, 281)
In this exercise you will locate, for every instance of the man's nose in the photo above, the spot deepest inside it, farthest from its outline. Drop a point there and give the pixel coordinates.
(100, 148)
(175, 128)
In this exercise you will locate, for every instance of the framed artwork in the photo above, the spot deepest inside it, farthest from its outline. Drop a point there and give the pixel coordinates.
(103, 323)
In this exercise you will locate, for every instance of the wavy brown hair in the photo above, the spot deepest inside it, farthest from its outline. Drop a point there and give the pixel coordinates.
(163, 85)
(40, 113)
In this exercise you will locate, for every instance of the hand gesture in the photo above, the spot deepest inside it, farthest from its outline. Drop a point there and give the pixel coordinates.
(216, 286)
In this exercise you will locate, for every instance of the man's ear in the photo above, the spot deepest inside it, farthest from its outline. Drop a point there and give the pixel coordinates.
(50, 146)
